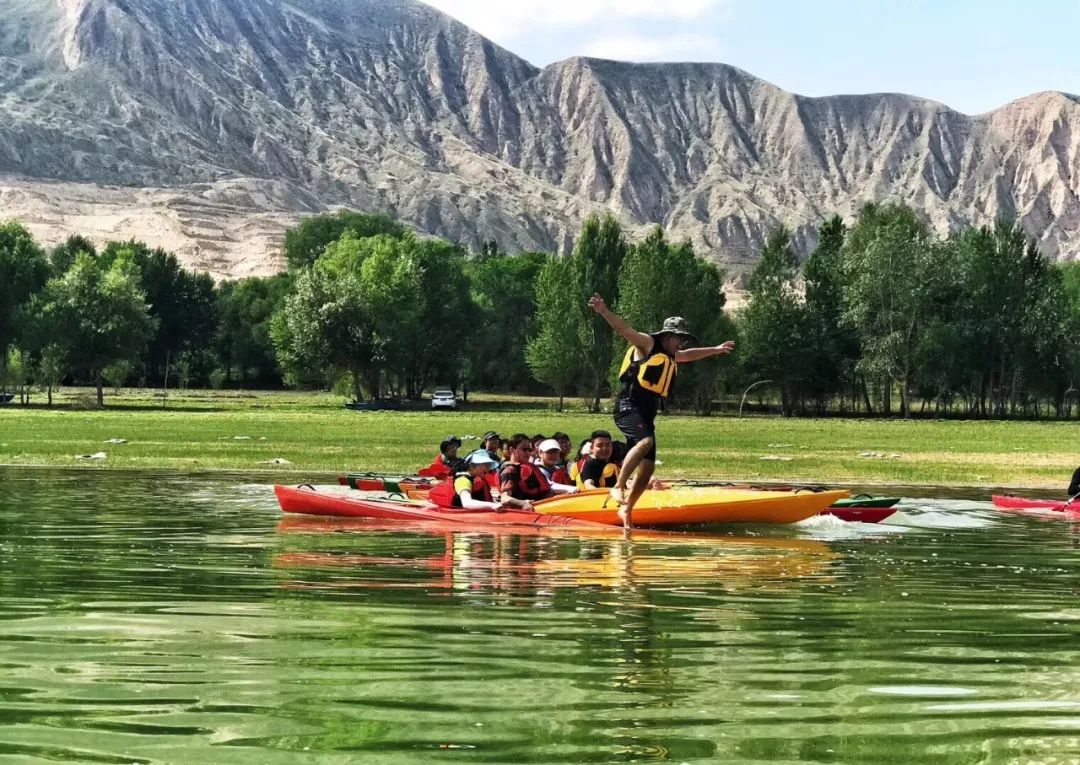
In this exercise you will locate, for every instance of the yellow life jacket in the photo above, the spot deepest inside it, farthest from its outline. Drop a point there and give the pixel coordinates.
(654, 374)
(608, 477)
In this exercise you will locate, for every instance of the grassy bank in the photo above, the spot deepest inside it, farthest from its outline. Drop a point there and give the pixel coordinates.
(316, 436)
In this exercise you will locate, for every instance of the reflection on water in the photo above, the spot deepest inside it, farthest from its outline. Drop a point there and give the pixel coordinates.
(539, 560)
(176, 619)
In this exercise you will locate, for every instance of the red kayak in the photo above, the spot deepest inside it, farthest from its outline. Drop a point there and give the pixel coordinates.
(1005, 502)
(310, 501)
(860, 514)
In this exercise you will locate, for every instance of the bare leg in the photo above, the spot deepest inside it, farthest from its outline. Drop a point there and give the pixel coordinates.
(640, 484)
(630, 462)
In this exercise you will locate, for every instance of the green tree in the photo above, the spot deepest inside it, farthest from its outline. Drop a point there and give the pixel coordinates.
(832, 346)
(658, 280)
(52, 366)
(182, 303)
(553, 354)
(433, 350)
(99, 312)
(1006, 318)
(16, 373)
(773, 324)
(322, 331)
(895, 274)
(23, 272)
(63, 255)
(369, 308)
(596, 264)
(243, 344)
(504, 290)
(307, 241)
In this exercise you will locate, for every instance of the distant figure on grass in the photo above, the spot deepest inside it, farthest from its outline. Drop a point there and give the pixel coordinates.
(647, 373)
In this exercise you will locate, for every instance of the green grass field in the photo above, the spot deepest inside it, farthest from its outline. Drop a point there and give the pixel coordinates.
(244, 431)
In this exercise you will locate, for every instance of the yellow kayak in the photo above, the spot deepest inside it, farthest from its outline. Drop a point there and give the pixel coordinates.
(682, 505)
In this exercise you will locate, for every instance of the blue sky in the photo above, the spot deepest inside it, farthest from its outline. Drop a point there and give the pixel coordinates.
(973, 56)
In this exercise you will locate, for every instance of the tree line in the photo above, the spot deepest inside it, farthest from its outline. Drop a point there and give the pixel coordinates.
(886, 317)
(882, 317)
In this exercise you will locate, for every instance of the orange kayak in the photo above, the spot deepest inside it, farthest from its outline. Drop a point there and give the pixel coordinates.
(686, 505)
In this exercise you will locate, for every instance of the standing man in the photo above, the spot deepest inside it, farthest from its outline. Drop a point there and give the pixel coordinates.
(646, 375)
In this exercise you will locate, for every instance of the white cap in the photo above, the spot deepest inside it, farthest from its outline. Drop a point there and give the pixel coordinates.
(549, 444)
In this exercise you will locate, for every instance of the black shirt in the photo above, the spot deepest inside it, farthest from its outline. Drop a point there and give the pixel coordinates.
(594, 471)
(1074, 484)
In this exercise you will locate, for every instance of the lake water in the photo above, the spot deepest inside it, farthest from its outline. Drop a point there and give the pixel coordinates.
(154, 619)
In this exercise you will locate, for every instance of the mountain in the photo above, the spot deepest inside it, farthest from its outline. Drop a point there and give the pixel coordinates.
(209, 126)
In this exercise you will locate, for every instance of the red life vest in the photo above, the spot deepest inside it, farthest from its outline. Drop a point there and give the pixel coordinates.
(530, 483)
(557, 475)
(445, 495)
(437, 469)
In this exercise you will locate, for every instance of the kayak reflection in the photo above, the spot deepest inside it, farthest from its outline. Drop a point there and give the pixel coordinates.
(448, 558)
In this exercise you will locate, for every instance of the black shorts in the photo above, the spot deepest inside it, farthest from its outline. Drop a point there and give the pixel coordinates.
(635, 427)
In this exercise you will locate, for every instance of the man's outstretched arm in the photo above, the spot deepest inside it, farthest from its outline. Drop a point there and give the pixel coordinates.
(696, 354)
(639, 340)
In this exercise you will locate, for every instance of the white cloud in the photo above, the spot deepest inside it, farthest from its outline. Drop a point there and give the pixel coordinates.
(507, 20)
(676, 47)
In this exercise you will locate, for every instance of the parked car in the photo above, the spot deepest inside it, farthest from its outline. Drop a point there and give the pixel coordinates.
(443, 398)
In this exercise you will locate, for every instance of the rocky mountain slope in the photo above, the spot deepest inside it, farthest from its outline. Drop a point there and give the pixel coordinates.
(215, 124)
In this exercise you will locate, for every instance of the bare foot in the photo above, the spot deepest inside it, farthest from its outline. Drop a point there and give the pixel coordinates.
(619, 495)
(624, 515)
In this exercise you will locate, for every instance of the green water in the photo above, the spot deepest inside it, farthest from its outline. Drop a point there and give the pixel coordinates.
(148, 619)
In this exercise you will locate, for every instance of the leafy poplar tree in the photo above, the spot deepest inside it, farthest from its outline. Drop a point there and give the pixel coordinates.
(833, 347)
(773, 325)
(554, 354)
(596, 263)
(895, 274)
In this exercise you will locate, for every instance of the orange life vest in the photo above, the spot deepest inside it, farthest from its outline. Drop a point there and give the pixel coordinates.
(446, 494)
(530, 483)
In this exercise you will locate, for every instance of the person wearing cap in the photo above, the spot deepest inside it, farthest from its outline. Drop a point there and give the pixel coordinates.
(468, 489)
(447, 462)
(552, 467)
(448, 454)
(646, 375)
(491, 443)
(599, 471)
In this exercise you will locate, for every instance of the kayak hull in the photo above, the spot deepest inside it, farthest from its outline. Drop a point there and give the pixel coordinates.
(865, 500)
(1005, 502)
(860, 514)
(310, 501)
(684, 506)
